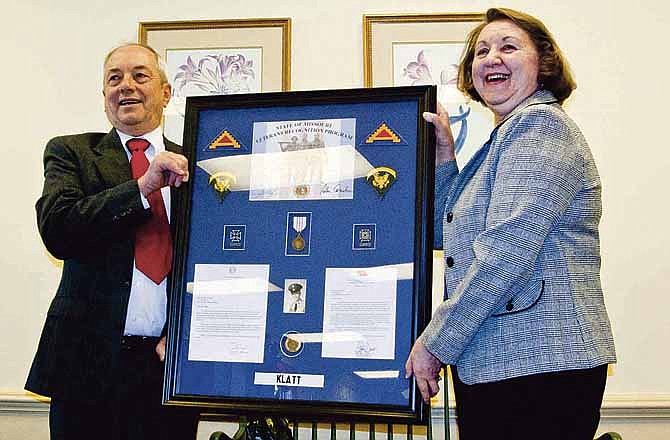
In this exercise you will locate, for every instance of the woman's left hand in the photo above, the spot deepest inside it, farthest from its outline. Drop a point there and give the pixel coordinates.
(426, 369)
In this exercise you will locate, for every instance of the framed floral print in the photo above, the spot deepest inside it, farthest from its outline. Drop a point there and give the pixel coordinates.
(219, 57)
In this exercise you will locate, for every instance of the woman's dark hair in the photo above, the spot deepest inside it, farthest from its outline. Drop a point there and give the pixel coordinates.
(554, 73)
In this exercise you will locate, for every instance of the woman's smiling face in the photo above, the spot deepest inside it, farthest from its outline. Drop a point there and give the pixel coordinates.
(505, 66)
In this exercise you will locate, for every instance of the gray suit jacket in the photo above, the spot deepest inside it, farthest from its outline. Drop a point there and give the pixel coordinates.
(519, 228)
(87, 216)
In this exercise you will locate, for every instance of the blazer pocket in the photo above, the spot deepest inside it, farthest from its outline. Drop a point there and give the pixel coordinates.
(68, 307)
(524, 300)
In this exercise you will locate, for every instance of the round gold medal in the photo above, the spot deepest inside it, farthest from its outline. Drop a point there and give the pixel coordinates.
(292, 345)
(298, 243)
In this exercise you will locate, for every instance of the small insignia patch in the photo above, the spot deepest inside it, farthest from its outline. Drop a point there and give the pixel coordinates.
(221, 183)
(383, 133)
(381, 179)
(224, 140)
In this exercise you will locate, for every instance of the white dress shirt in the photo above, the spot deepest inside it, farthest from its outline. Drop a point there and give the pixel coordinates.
(148, 301)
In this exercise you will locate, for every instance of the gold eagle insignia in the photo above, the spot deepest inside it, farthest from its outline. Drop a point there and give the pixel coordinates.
(381, 179)
(222, 182)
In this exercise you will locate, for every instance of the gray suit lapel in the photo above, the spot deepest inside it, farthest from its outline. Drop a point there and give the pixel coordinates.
(539, 97)
(174, 195)
(112, 161)
(171, 146)
(174, 148)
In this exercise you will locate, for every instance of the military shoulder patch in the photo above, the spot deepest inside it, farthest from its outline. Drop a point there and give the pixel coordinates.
(224, 140)
(384, 134)
(222, 183)
(381, 179)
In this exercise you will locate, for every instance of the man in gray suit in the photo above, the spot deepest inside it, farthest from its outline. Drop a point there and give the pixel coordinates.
(101, 351)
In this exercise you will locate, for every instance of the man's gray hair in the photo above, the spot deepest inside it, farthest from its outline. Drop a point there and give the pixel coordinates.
(162, 67)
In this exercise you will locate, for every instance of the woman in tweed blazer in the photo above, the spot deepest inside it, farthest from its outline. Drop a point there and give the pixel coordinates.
(524, 326)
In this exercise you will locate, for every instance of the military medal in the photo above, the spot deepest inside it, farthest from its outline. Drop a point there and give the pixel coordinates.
(292, 346)
(299, 225)
(381, 179)
(297, 236)
(289, 345)
(221, 182)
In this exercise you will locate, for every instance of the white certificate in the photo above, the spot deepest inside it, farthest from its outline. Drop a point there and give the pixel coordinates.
(242, 165)
(306, 159)
(359, 313)
(229, 313)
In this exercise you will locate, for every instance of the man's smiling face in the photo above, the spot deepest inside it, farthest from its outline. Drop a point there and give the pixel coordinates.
(135, 94)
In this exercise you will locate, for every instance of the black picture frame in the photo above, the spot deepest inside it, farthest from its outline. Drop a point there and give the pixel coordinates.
(390, 134)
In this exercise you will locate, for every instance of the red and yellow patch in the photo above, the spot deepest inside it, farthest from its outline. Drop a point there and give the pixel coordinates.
(224, 140)
(383, 133)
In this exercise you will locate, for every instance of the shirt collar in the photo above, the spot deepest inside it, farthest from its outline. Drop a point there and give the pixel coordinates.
(155, 138)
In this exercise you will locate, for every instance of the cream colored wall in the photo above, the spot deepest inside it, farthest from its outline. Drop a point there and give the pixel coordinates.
(50, 76)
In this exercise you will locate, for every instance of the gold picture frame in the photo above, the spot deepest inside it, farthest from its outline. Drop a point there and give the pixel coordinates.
(273, 35)
(381, 32)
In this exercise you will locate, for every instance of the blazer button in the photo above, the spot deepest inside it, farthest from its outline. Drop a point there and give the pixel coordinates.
(450, 217)
(509, 306)
(125, 283)
(450, 262)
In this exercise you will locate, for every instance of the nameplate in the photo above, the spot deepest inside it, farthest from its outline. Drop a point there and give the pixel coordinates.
(289, 379)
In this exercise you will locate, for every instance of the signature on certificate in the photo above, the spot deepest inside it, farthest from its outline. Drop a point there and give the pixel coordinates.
(327, 188)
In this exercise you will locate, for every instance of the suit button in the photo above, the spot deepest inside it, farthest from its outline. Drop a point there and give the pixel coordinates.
(509, 306)
(450, 262)
(450, 217)
(125, 283)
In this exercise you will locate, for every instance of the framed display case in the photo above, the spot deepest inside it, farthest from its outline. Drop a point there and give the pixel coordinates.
(302, 272)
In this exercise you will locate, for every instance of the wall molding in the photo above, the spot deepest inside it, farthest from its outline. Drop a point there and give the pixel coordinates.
(23, 403)
(636, 406)
(615, 406)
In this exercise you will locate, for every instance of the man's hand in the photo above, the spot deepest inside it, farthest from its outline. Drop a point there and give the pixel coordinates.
(167, 169)
(160, 349)
(444, 140)
(426, 369)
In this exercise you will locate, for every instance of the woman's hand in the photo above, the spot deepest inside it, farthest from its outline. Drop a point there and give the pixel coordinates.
(444, 140)
(426, 369)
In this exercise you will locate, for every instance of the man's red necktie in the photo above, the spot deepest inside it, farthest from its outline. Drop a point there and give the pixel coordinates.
(153, 241)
